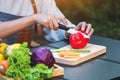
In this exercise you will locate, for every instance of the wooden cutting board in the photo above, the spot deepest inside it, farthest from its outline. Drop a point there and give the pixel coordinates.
(95, 50)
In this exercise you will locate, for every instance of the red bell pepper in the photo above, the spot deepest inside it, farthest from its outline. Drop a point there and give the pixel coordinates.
(79, 39)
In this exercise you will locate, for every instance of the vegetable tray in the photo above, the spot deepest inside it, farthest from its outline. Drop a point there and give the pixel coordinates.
(58, 71)
(95, 50)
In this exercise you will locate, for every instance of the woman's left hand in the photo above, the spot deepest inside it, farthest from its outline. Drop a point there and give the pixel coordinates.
(85, 27)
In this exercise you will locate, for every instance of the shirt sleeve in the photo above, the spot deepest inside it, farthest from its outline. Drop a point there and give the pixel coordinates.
(49, 7)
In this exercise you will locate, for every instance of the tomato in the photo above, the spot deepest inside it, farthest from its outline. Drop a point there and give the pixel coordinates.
(79, 40)
(3, 66)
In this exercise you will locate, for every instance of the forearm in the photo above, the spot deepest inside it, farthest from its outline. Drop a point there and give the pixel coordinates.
(10, 27)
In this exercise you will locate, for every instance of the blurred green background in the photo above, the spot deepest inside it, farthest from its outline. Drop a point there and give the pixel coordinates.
(104, 15)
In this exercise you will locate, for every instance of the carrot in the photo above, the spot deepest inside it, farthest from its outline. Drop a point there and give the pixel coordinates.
(71, 57)
(69, 54)
(3, 66)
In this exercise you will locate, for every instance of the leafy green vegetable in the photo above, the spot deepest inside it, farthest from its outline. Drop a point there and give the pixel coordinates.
(19, 66)
(38, 72)
(19, 62)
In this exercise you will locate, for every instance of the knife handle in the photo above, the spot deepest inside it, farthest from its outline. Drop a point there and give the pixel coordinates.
(61, 26)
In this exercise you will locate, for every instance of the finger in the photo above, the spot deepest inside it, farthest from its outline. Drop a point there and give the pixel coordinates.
(51, 26)
(83, 26)
(78, 27)
(64, 21)
(55, 23)
(91, 32)
(46, 24)
(88, 28)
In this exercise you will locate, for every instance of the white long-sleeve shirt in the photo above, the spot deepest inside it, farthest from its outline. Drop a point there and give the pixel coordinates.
(24, 8)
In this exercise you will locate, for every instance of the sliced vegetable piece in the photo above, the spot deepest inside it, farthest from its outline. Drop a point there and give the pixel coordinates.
(69, 54)
(73, 50)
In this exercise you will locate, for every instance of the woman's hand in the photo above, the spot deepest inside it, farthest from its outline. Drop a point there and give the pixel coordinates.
(50, 21)
(85, 27)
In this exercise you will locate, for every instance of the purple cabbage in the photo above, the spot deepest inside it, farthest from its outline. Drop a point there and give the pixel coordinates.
(42, 55)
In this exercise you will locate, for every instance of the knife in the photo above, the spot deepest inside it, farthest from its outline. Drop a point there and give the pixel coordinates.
(69, 30)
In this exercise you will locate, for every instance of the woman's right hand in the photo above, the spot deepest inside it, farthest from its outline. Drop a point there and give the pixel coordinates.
(50, 21)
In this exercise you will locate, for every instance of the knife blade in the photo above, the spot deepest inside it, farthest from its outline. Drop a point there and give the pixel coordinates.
(69, 30)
